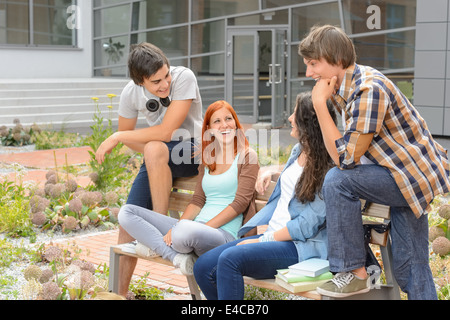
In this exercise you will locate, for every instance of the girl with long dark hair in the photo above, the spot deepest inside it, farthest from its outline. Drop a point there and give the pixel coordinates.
(294, 213)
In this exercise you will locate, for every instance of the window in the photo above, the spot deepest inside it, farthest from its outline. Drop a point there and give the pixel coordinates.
(393, 13)
(386, 51)
(207, 9)
(38, 22)
(304, 18)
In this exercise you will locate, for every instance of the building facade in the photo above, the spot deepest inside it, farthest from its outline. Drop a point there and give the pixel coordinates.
(241, 51)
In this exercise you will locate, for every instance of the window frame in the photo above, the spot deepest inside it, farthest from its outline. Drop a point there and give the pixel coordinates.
(31, 29)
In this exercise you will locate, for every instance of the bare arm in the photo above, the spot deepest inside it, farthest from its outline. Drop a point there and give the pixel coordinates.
(126, 124)
(135, 139)
(225, 216)
(322, 91)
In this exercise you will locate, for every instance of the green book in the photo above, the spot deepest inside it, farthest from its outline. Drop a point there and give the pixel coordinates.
(295, 287)
(291, 277)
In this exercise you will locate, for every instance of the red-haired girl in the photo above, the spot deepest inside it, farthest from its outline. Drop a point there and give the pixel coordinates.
(223, 199)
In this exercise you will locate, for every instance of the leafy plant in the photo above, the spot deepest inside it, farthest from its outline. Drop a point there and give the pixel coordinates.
(143, 291)
(63, 205)
(108, 173)
(46, 140)
(14, 210)
(18, 135)
(114, 51)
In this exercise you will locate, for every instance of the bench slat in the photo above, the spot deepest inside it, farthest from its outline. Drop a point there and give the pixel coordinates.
(157, 259)
(178, 201)
(377, 210)
(267, 193)
(185, 183)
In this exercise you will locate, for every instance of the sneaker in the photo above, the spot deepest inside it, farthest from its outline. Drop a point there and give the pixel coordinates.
(343, 285)
(128, 247)
(144, 251)
(185, 261)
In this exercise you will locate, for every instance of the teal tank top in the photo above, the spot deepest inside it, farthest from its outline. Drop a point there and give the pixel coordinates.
(220, 191)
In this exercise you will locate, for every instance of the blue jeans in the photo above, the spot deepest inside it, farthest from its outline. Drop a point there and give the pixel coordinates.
(342, 190)
(219, 272)
(140, 190)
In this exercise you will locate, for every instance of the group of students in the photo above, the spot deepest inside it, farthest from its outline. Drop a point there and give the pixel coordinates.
(385, 154)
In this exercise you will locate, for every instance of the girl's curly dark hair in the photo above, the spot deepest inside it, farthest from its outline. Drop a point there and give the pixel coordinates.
(318, 161)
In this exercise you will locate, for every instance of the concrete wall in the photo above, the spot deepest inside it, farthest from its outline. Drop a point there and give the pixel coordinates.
(20, 62)
(432, 64)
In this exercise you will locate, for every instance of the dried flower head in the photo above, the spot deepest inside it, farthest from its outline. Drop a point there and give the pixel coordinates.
(32, 272)
(47, 274)
(38, 218)
(93, 176)
(38, 203)
(85, 265)
(111, 197)
(50, 173)
(71, 185)
(53, 253)
(57, 190)
(70, 223)
(444, 211)
(75, 205)
(50, 291)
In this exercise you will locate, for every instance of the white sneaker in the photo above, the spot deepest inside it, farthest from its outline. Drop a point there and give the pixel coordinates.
(185, 261)
(144, 251)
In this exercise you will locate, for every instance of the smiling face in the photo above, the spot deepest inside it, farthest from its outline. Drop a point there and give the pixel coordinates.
(158, 84)
(321, 69)
(223, 126)
(294, 131)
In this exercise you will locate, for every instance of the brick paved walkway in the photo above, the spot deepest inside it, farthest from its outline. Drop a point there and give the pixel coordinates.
(95, 246)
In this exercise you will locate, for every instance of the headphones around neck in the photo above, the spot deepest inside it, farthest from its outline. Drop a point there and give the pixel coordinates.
(153, 104)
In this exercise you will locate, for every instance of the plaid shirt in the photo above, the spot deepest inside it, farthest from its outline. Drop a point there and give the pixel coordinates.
(372, 104)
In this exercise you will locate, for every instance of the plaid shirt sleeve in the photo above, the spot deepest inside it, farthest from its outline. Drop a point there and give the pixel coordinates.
(364, 115)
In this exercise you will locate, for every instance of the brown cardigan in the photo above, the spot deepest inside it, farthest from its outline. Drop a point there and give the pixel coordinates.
(244, 201)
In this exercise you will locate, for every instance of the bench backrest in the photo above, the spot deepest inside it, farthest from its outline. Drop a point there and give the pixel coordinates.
(183, 189)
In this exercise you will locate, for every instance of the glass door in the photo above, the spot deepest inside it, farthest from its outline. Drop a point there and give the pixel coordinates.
(242, 73)
(277, 78)
(256, 74)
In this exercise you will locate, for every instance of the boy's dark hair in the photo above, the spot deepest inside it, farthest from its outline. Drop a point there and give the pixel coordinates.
(318, 161)
(145, 60)
(330, 43)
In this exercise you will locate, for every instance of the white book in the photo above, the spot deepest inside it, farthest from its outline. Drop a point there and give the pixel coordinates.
(311, 267)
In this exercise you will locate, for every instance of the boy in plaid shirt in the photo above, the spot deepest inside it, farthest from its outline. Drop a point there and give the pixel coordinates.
(386, 155)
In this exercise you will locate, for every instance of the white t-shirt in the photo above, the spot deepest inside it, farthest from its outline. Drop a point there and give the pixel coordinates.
(288, 181)
(183, 87)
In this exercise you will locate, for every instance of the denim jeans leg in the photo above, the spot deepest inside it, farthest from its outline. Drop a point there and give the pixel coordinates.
(410, 254)
(342, 191)
(205, 270)
(256, 260)
(140, 190)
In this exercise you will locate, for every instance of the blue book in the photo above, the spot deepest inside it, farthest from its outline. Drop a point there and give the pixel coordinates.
(311, 267)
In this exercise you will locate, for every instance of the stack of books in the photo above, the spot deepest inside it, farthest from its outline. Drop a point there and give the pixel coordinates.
(304, 276)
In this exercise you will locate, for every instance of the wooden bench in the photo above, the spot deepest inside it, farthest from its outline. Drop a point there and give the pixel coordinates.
(181, 195)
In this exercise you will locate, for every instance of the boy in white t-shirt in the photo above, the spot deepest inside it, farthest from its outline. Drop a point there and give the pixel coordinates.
(170, 100)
